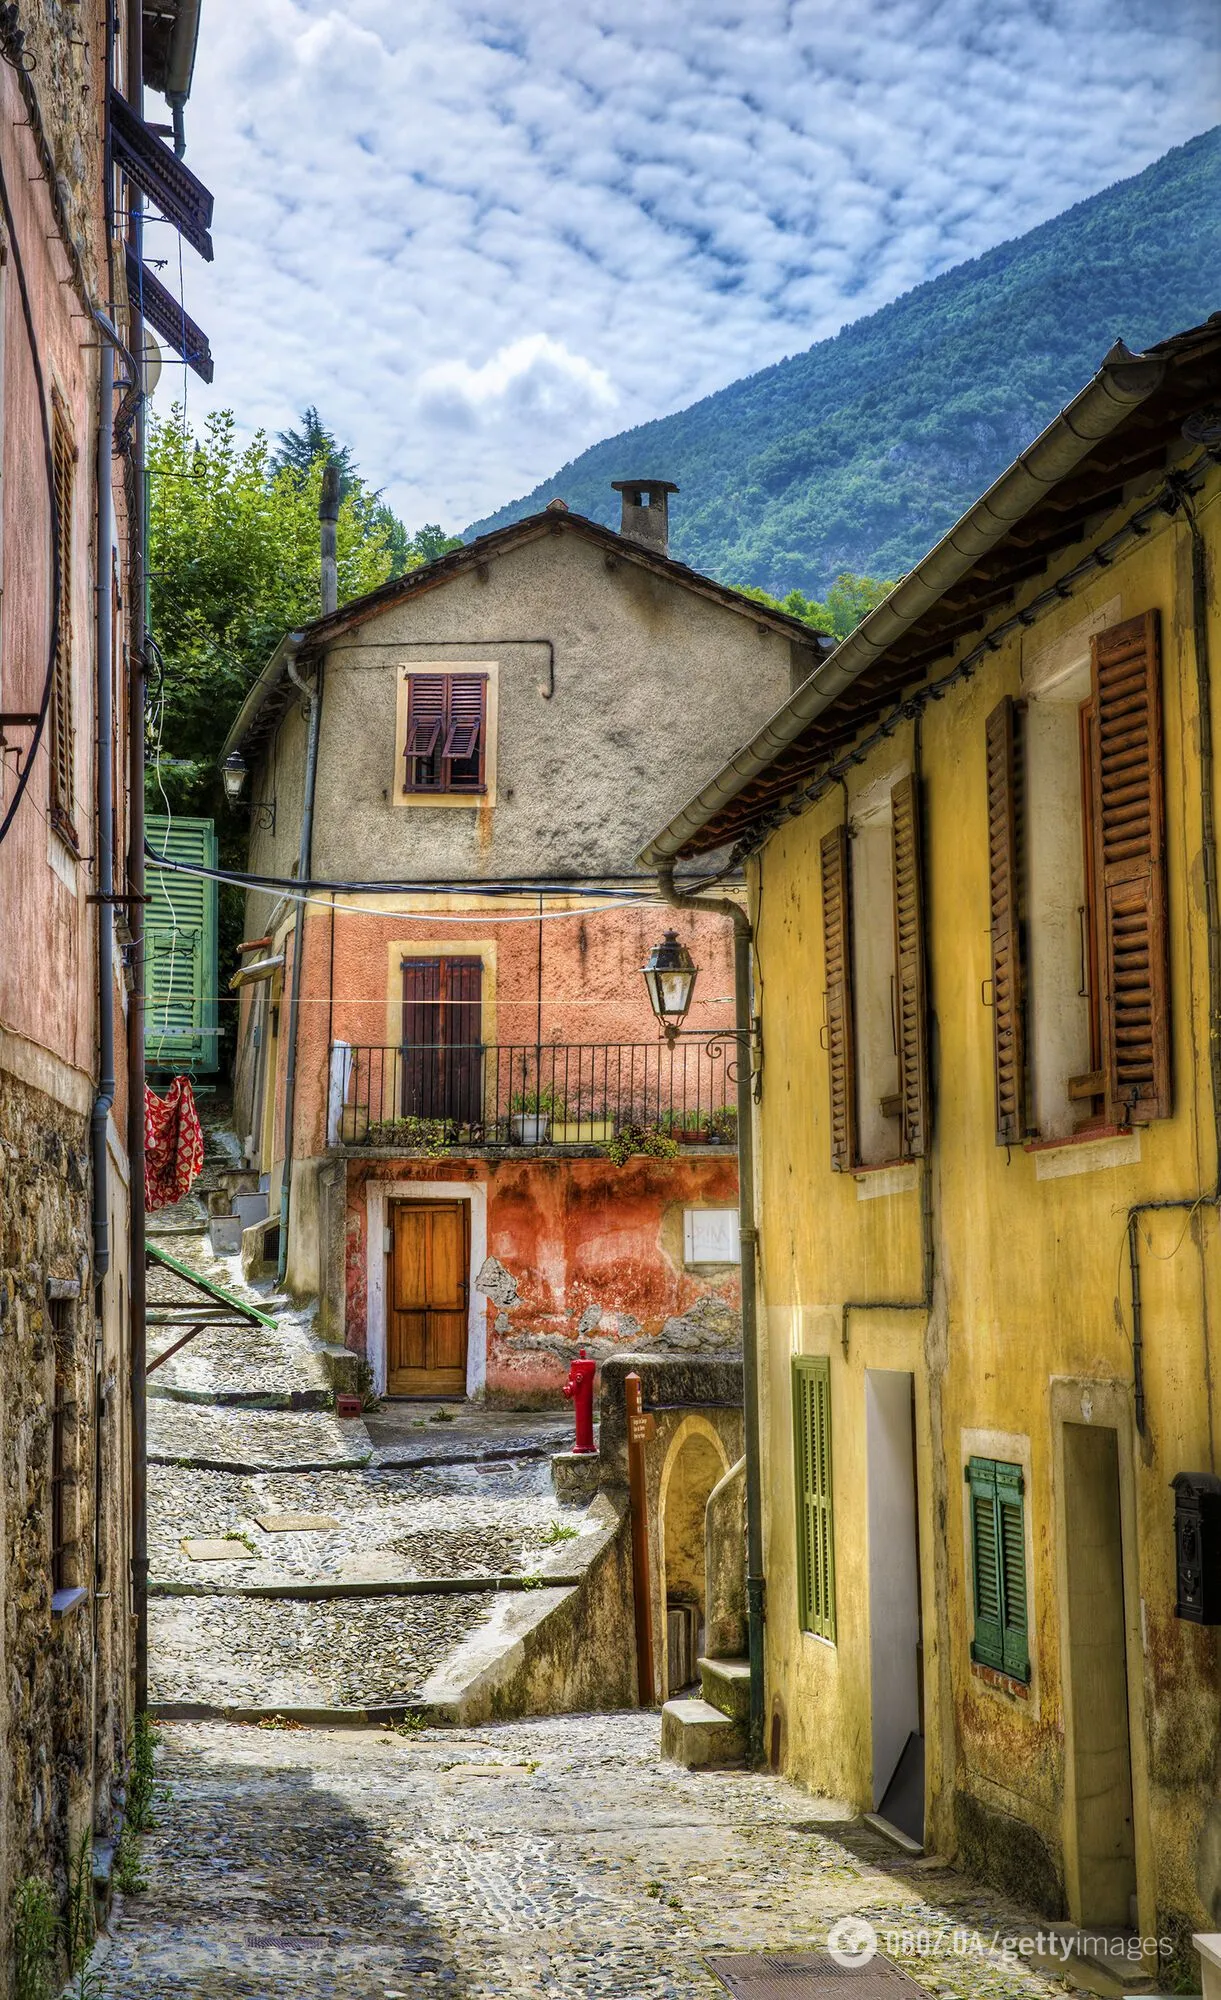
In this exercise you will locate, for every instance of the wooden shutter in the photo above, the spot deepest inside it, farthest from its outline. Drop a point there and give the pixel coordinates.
(426, 706)
(63, 726)
(1130, 886)
(911, 1024)
(464, 734)
(998, 1559)
(837, 973)
(181, 1024)
(815, 1523)
(1008, 953)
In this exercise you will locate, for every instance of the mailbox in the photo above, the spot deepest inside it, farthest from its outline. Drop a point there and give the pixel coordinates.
(1197, 1546)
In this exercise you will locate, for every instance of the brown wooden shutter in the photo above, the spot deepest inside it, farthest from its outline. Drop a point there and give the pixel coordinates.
(62, 731)
(1130, 885)
(837, 955)
(911, 1025)
(1008, 954)
(426, 707)
(466, 692)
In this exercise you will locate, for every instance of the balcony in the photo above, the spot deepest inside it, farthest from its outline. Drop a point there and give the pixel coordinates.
(435, 1099)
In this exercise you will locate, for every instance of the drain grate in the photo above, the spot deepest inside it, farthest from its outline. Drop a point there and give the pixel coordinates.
(810, 1975)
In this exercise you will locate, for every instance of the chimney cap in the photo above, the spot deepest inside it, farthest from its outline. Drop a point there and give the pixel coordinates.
(643, 486)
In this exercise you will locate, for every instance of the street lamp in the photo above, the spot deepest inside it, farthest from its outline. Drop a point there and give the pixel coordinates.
(234, 772)
(670, 974)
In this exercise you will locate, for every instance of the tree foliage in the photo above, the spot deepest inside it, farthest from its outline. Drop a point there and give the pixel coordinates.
(849, 599)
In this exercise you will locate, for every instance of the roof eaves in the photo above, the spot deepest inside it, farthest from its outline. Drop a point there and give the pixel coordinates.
(1122, 383)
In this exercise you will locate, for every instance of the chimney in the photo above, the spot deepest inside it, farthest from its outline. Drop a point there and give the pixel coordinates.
(328, 514)
(646, 511)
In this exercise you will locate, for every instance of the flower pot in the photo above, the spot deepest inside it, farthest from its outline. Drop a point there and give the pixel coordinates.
(354, 1125)
(583, 1132)
(529, 1128)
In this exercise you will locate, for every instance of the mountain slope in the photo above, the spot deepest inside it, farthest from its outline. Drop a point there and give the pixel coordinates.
(860, 452)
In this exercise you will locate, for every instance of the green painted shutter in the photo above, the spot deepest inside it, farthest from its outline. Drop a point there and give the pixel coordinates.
(815, 1514)
(998, 1557)
(180, 949)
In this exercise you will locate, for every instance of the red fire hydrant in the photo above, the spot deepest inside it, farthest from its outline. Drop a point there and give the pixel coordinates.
(579, 1389)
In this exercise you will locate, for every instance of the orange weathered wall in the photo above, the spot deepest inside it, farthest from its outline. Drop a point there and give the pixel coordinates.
(573, 1235)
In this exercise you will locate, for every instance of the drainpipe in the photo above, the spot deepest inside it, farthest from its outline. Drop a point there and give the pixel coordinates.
(328, 515)
(105, 821)
(744, 1037)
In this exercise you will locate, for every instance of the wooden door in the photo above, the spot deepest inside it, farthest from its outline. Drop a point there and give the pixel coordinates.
(442, 1023)
(427, 1292)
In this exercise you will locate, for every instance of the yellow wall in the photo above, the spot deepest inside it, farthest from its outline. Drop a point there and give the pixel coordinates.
(1030, 1320)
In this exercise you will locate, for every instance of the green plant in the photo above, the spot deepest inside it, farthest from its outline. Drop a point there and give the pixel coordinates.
(723, 1125)
(426, 1135)
(539, 1103)
(442, 1417)
(646, 1139)
(410, 1724)
(678, 1122)
(143, 1792)
(78, 1917)
(558, 1531)
(35, 1940)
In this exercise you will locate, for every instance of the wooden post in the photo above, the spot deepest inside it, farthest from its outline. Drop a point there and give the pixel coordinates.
(640, 1429)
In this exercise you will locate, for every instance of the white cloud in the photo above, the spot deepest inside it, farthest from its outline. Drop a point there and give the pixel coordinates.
(479, 234)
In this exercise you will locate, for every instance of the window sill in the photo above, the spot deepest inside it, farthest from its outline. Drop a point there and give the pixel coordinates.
(1004, 1683)
(1095, 1132)
(1090, 1152)
(889, 1177)
(65, 1601)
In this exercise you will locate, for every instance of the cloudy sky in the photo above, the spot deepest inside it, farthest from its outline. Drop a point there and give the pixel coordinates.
(480, 237)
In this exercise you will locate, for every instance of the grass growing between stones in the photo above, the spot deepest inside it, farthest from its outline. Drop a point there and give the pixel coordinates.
(35, 1940)
(142, 1793)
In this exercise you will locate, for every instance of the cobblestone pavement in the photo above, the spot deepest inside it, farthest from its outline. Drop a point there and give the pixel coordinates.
(440, 1494)
(550, 1858)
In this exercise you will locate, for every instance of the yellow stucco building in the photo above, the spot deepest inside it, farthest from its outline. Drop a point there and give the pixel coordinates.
(982, 856)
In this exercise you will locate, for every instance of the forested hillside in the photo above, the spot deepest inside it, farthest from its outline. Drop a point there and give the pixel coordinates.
(859, 453)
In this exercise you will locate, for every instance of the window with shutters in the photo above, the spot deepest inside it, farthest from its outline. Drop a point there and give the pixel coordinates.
(61, 725)
(442, 1049)
(874, 1008)
(446, 734)
(1078, 919)
(998, 1566)
(815, 1512)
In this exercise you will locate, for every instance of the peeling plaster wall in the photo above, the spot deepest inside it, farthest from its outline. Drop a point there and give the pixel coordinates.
(580, 1252)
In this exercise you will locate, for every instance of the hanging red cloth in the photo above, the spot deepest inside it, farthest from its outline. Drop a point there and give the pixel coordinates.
(173, 1144)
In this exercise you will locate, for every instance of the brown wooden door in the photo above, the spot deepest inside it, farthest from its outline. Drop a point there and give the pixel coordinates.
(427, 1294)
(442, 1023)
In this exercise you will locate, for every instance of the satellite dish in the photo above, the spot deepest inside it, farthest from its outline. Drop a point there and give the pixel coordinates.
(150, 363)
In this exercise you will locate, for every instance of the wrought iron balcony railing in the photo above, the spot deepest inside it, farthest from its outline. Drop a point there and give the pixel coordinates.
(559, 1094)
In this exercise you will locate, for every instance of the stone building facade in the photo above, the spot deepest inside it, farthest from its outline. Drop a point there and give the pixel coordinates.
(69, 439)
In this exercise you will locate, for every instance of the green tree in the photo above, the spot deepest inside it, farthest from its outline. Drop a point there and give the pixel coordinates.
(296, 451)
(848, 600)
(234, 562)
(296, 454)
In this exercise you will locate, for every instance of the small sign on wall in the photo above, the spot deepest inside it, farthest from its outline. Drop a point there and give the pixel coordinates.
(710, 1236)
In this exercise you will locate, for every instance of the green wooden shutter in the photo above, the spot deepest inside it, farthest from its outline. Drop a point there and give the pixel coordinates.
(180, 950)
(998, 1558)
(815, 1513)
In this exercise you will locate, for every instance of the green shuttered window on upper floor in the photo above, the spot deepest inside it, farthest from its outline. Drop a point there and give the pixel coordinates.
(180, 949)
(998, 1561)
(815, 1513)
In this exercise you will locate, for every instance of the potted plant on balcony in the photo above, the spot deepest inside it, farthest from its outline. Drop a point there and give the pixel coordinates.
(531, 1113)
(723, 1126)
(583, 1128)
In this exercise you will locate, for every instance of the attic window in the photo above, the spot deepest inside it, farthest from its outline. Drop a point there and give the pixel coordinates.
(446, 741)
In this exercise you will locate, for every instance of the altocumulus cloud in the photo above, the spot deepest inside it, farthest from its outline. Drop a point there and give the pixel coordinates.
(481, 234)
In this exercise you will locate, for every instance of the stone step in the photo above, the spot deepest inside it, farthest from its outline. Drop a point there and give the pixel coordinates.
(700, 1737)
(725, 1684)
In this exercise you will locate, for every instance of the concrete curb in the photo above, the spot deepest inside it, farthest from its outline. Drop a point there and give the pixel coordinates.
(244, 1467)
(245, 1399)
(334, 1718)
(306, 1592)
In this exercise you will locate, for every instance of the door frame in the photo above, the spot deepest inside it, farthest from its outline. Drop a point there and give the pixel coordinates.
(890, 1482)
(1078, 1400)
(378, 1196)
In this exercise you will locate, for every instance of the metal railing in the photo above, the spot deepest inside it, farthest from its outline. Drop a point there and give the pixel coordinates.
(559, 1094)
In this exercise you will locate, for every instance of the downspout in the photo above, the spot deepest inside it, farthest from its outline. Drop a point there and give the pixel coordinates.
(328, 515)
(744, 1036)
(105, 821)
(137, 620)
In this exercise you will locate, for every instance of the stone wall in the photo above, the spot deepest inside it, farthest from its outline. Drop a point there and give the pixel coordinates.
(64, 1728)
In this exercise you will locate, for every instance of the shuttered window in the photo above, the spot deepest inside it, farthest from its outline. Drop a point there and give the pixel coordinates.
(998, 1561)
(442, 1055)
(910, 1023)
(446, 744)
(1129, 869)
(837, 972)
(815, 1518)
(62, 731)
(1005, 794)
(181, 1013)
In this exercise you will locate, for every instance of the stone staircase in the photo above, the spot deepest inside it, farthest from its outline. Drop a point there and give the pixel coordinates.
(709, 1731)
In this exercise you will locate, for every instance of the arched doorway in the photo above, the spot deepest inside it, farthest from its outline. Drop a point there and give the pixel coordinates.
(694, 1463)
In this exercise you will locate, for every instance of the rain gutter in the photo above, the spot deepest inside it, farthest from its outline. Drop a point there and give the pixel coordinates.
(1122, 383)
